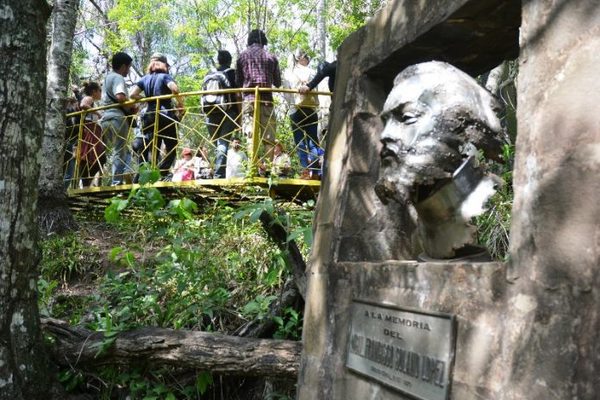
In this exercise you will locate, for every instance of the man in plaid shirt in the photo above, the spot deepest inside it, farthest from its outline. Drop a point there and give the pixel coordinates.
(257, 67)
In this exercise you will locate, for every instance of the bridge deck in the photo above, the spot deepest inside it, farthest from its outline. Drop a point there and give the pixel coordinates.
(231, 191)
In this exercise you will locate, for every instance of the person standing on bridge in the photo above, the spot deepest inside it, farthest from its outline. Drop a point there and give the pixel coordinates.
(92, 152)
(257, 67)
(115, 126)
(158, 82)
(222, 115)
(303, 114)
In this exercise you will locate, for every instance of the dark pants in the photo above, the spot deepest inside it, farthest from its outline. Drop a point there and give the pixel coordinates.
(221, 125)
(167, 134)
(71, 134)
(305, 126)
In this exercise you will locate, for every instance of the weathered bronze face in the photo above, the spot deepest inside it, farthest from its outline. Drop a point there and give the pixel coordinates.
(435, 117)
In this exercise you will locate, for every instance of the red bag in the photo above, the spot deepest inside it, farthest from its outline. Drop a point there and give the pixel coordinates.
(188, 175)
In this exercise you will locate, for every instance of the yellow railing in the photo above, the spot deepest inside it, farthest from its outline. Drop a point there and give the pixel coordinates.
(106, 151)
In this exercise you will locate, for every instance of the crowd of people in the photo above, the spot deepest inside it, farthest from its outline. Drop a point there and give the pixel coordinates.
(229, 115)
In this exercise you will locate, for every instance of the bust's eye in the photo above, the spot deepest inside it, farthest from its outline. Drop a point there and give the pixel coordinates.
(405, 116)
(408, 118)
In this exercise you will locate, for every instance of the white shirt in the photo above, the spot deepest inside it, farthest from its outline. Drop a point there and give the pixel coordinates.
(295, 77)
(281, 164)
(235, 164)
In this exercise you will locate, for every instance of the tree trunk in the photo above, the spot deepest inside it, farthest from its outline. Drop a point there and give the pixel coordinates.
(54, 214)
(322, 29)
(24, 368)
(213, 352)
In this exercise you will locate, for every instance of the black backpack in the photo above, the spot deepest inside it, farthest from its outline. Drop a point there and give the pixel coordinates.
(216, 80)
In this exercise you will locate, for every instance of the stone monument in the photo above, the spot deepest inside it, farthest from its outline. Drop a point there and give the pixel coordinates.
(380, 325)
(437, 118)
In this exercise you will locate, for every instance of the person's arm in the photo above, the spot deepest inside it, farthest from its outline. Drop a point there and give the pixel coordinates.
(276, 74)
(239, 74)
(175, 90)
(327, 70)
(178, 164)
(120, 95)
(86, 103)
(288, 84)
(136, 93)
(120, 91)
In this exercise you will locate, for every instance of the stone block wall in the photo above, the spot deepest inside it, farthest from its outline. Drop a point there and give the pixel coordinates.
(356, 236)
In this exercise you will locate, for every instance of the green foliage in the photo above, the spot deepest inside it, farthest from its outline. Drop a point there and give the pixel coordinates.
(298, 223)
(71, 379)
(203, 381)
(346, 17)
(66, 257)
(493, 227)
(289, 326)
(140, 22)
(259, 307)
(45, 292)
(180, 269)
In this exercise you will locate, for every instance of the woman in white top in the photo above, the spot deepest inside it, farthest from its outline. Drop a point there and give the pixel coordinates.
(282, 165)
(303, 113)
(186, 167)
(236, 160)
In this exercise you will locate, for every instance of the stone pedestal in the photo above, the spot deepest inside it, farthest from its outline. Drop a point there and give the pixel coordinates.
(470, 291)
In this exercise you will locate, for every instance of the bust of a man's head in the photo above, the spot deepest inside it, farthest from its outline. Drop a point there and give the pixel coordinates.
(436, 120)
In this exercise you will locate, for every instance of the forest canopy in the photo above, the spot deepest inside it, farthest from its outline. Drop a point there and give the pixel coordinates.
(191, 31)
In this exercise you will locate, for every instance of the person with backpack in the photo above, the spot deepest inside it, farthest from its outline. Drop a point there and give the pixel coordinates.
(221, 110)
(158, 82)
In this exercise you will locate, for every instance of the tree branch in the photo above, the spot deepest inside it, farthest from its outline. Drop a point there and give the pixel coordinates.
(279, 235)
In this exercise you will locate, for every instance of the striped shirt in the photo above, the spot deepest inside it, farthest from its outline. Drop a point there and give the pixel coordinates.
(257, 67)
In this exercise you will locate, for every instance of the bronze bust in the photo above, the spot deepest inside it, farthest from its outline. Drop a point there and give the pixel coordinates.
(437, 120)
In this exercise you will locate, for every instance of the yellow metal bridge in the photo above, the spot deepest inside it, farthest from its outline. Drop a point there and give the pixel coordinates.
(103, 160)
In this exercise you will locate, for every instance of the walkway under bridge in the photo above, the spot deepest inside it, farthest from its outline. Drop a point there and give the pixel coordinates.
(102, 163)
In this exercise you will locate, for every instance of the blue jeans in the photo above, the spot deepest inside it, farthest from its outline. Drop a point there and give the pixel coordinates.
(115, 131)
(220, 126)
(305, 126)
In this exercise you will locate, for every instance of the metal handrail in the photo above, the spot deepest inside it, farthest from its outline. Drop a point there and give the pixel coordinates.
(194, 93)
(200, 117)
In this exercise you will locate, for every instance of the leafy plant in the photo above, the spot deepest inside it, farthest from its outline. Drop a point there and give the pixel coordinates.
(259, 307)
(64, 257)
(289, 326)
(493, 227)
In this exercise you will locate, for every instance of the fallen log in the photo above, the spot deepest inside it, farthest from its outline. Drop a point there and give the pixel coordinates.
(221, 354)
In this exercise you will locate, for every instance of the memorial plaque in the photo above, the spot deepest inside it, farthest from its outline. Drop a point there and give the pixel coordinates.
(409, 350)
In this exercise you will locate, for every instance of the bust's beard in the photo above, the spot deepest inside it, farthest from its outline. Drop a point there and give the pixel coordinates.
(425, 164)
(393, 186)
